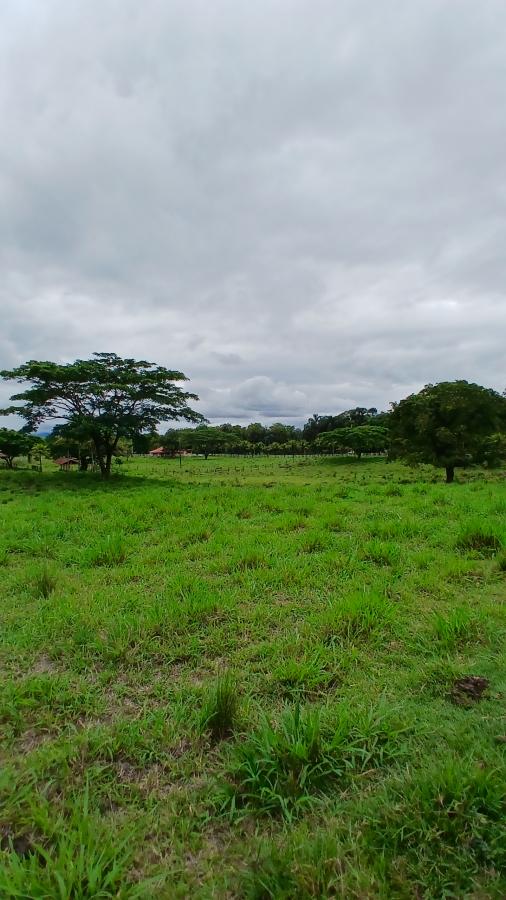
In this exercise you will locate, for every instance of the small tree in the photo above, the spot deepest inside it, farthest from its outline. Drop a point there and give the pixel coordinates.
(13, 444)
(448, 424)
(104, 399)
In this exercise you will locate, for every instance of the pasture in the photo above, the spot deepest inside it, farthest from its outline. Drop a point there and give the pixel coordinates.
(247, 678)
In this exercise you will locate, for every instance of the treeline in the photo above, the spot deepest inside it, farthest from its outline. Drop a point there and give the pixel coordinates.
(108, 407)
(357, 430)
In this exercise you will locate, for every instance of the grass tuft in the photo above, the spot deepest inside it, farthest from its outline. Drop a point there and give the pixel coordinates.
(74, 859)
(453, 815)
(111, 551)
(45, 583)
(480, 539)
(459, 627)
(219, 711)
(283, 769)
(358, 618)
(501, 562)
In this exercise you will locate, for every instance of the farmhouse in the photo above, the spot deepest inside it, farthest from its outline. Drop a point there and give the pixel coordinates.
(163, 451)
(66, 462)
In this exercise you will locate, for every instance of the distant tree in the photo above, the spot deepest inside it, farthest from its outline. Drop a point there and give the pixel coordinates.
(317, 425)
(350, 418)
(207, 440)
(255, 432)
(279, 433)
(449, 424)
(171, 440)
(14, 443)
(65, 440)
(143, 443)
(356, 417)
(106, 397)
(362, 439)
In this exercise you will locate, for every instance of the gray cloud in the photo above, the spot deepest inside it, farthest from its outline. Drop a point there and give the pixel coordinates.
(301, 205)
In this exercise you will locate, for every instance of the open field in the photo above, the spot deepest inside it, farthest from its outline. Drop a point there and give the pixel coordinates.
(237, 678)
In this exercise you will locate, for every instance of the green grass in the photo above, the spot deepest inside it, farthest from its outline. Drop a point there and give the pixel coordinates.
(234, 679)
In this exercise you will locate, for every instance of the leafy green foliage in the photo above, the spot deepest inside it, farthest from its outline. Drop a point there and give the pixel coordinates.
(101, 399)
(13, 444)
(361, 439)
(448, 424)
(206, 440)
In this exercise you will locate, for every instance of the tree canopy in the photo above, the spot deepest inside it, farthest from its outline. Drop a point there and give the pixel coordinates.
(205, 439)
(103, 399)
(361, 439)
(450, 424)
(14, 443)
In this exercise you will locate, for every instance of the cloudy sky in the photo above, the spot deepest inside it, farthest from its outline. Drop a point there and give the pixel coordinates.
(299, 203)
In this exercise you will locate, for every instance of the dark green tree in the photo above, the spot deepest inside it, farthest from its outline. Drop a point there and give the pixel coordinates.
(15, 443)
(207, 440)
(255, 433)
(449, 424)
(353, 418)
(362, 439)
(65, 440)
(279, 433)
(143, 443)
(105, 398)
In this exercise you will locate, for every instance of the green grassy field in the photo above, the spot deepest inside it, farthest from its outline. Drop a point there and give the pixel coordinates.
(237, 678)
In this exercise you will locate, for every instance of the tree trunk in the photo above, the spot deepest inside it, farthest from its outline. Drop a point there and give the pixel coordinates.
(450, 474)
(107, 468)
(10, 462)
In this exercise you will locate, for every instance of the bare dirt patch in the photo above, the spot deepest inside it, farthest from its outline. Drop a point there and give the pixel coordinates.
(468, 690)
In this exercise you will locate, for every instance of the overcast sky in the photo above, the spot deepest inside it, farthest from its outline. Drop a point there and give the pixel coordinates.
(298, 203)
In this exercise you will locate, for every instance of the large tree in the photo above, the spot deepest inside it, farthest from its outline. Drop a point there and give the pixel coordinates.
(449, 424)
(103, 398)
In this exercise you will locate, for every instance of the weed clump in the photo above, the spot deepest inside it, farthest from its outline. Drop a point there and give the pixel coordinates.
(382, 553)
(308, 675)
(75, 858)
(501, 562)
(45, 583)
(219, 711)
(283, 769)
